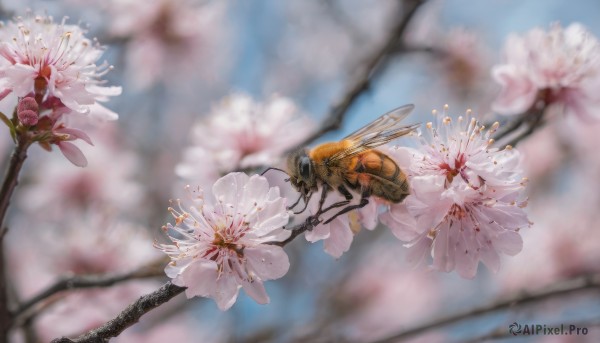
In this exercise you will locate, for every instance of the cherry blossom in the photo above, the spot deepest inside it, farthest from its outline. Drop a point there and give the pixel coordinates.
(219, 248)
(171, 40)
(560, 66)
(250, 134)
(57, 187)
(53, 61)
(466, 200)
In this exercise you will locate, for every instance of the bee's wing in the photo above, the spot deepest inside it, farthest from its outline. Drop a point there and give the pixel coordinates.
(379, 132)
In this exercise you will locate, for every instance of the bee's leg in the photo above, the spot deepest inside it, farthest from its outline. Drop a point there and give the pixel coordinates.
(296, 203)
(306, 201)
(346, 195)
(314, 219)
(323, 196)
(363, 202)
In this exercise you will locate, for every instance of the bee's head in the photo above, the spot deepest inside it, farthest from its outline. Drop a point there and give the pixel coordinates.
(301, 171)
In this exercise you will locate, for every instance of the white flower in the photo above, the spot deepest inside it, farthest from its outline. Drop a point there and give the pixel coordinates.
(220, 248)
(53, 61)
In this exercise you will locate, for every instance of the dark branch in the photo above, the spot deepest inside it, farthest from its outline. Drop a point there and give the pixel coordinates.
(88, 281)
(562, 288)
(11, 179)
(375, 62)
(128, 317)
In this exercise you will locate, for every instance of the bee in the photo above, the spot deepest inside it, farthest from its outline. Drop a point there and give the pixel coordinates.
(353, 164)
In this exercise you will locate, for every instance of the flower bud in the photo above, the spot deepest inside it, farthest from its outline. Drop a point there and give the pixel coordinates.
(27, 111)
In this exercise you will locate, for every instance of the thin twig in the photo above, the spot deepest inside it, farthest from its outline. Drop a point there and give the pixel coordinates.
(375, 62)
(128, 317)
(153, 269)
(562, 288)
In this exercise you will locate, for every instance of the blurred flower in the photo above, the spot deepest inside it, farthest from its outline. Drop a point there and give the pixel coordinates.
(465, 203)
(170, 39)
(370, 298)
(560, 66)
(51, 61)
(219, 248)
(107, 184)
(83, 243)
(241, 133)
(464, 62)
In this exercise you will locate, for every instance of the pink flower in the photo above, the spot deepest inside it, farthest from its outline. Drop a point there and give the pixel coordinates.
(219, 248)
(379, 286)
(250, 134)
(58, 188)
(53, 61)
(560, 66)
(465, 201)
(171, 40)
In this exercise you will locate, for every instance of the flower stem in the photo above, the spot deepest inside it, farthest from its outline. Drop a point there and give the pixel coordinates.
(8, 186)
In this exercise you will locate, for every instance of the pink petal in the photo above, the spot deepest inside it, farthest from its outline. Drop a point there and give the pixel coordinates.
(416, 253)
(340, 238)
(256, 290)
(518, 91)
(369, 215)
(490, 258)
(200, 278)
(401, 223)
(267, 261)
(76, 133)
(466, 260)
(321, 231)
(229, 188)
(509, 242)
(226, 291)
(441, 250)
(273, 216)
(73, 154)
(255, 190)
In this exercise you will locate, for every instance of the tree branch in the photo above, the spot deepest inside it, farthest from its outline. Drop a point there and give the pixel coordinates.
(375, 62)
(153, 269)
(9, 184)
(566, 287)
(128, 317)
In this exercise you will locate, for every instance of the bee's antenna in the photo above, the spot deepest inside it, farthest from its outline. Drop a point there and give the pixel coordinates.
(266, 170)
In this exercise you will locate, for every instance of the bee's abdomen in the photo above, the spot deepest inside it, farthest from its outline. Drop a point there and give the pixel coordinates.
(377, 163)
(381, 175)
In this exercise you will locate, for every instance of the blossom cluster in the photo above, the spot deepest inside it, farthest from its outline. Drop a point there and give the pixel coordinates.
(51, 68)
(558, 67)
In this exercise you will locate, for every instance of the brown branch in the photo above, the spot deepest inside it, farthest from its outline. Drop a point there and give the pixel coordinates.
(128, 317)
(566, 287)
(375, 63)
(153, 269)
(9, 184)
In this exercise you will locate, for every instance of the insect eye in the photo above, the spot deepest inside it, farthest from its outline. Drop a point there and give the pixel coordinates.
(304, 167)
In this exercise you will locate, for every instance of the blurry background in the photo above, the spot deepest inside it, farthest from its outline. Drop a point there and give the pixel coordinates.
(177, 60)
